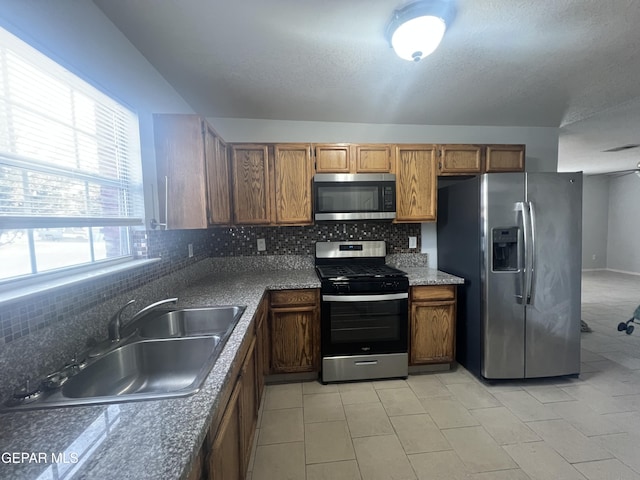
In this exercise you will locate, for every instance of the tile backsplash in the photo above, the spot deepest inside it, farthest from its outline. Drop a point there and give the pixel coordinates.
(242, 241)
(21, 318)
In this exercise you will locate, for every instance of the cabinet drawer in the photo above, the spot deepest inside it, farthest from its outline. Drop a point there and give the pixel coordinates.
(285, 298)
(433, 292)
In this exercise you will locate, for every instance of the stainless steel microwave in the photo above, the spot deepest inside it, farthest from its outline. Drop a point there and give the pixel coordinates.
(359, 196)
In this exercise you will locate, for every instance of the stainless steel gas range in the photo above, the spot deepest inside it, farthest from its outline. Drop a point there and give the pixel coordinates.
(364, 312)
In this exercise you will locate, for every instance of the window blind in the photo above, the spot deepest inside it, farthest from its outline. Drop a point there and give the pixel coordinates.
(69, 154)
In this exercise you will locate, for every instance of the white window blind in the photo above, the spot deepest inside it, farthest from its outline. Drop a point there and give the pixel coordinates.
(69, 155)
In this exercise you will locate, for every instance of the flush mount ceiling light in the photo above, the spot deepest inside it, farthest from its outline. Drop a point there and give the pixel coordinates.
(416, 29)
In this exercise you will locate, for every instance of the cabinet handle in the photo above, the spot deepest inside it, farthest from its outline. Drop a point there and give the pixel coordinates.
(154, 224)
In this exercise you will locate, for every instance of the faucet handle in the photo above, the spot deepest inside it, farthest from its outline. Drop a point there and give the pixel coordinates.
(28, 390)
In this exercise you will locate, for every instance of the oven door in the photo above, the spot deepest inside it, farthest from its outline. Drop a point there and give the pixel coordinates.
(364, 324)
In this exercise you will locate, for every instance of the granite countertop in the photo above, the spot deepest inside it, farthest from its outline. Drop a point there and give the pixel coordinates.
(149, 439)
(430, 276)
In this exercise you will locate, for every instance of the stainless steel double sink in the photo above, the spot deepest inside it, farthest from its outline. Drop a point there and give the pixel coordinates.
(162, 354)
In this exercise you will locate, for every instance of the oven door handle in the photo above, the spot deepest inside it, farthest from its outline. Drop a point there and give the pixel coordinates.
(365, 298)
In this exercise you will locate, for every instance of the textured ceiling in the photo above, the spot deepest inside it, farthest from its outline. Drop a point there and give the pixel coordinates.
(552, 63)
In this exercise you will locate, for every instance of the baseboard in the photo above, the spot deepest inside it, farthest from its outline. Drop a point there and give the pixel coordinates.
(418, 369)
(623, 271)
(610, 270)
(290, 377)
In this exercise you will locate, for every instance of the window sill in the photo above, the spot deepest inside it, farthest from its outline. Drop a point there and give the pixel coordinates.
(49, 286)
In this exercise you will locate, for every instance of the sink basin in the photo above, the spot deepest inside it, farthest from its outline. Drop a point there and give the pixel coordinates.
(162, 354)
(148, 369)
(190, 322)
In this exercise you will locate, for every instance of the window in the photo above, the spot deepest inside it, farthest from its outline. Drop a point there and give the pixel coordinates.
(70, 173)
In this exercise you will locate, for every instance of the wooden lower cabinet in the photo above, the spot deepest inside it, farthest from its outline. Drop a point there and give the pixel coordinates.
(249, 404)
(225, 458)
(228, 446)
(432, 324)
(262, 346)
(294, 331)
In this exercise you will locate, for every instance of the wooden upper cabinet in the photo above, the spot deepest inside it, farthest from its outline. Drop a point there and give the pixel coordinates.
(373, 158)
(505, 158)
(293, 172)
(353, 158)
(333, 158)
(219, 179)
(416, 186)
(251, 185)
(460, 159)
(181, 171)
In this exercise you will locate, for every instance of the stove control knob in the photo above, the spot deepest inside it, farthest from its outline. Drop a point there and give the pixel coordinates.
(341, 287)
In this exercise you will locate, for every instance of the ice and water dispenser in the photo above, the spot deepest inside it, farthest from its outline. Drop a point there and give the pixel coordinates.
(505, 249)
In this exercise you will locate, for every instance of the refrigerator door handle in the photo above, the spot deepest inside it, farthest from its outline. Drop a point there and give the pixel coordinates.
(532, 256)
(524, 249)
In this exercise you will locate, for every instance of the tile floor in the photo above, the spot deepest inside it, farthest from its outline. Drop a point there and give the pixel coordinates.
(451, 426)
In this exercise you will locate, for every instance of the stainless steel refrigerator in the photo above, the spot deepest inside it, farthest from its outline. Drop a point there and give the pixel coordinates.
(516, 239)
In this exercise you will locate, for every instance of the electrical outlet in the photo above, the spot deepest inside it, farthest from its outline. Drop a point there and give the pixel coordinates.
(190, 250)
(593, 257)
(262, 245)
(413, 242)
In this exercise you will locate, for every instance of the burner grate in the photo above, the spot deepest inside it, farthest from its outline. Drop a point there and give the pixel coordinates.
(357, 271)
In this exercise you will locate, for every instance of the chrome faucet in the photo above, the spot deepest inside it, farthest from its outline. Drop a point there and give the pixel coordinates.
(116, 323)
(153, 306)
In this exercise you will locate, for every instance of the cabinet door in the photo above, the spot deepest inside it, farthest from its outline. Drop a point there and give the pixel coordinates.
(249, 406)
(219, 179)
(294, 339)
(460, 159)
(251, 186)
(180, 167)
(505, 158)
(373, 158)
(225, 457)
(416, 186)
(293, 173)
(261, 348)
(333, 158)
(432, 332)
